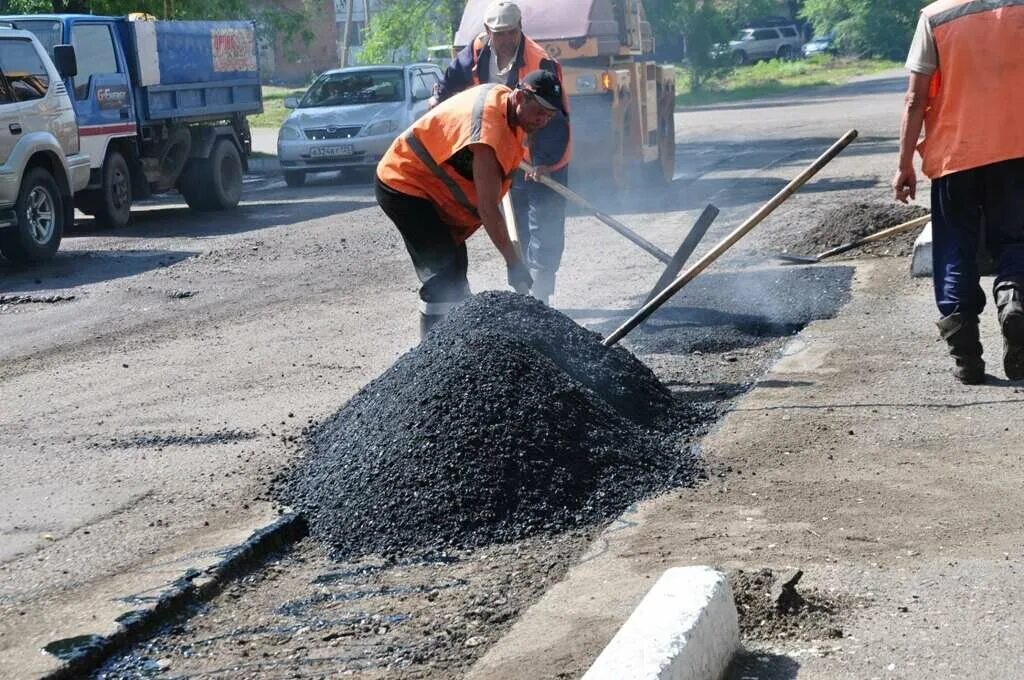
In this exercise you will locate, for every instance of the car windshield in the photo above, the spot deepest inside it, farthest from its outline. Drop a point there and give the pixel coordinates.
(745, 34)
(48, 32)
(356, 87)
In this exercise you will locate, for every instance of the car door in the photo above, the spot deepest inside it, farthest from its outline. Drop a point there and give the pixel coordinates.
(10, 114)
(766, 41)
(100, 91)
(29, 83)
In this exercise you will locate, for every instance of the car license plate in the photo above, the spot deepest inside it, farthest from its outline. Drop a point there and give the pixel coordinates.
(343, 150)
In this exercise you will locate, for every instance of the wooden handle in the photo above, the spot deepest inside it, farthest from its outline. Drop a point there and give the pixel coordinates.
(877, 236)
(740, 231)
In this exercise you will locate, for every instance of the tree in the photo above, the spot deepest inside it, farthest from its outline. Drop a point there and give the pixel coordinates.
(405, 28)
(882, 28)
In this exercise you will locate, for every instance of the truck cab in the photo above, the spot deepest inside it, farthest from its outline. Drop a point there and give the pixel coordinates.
(161, 105)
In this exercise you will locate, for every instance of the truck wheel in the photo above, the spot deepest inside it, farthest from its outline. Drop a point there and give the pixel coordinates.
(785, 53)
(113, 202)
(739, 57)
(214, 183)
(294, 178)
(40, 215)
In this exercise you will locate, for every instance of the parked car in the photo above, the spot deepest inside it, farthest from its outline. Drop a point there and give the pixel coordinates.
(820, 44)
(41, 165)
(349, 117)
(765, 42)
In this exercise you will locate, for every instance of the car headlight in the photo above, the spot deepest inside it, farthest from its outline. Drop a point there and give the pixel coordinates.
(379, 127)
(289, 132)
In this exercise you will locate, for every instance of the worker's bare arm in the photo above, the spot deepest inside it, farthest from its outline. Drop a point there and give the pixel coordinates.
(904, 184)
(487, 177)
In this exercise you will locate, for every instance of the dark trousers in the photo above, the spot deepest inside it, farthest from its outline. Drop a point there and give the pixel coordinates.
(540, 220)
(440, 263)
(981, 203)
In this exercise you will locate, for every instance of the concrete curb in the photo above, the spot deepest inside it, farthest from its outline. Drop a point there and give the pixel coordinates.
(921, 260)
(685, 628)
(193, 588)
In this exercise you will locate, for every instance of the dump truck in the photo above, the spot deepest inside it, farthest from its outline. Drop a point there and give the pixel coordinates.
(622, 102)
(161, 105)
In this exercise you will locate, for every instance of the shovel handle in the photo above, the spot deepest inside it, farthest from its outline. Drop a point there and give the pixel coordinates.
(730, 240)
(877, 236)
(619, 227)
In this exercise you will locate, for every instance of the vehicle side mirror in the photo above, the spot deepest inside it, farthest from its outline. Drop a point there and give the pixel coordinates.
(291, 102)
(65, 60)
(419, 90)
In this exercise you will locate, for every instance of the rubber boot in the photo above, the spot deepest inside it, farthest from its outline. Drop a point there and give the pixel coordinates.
(1011, 321)
(964, 343)
(428, 321)
(543, 284)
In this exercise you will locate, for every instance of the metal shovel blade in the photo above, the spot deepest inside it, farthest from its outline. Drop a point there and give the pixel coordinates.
(797, 259)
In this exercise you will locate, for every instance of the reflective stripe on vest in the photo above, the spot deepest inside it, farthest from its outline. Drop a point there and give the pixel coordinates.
(457, 193)
(975, 112)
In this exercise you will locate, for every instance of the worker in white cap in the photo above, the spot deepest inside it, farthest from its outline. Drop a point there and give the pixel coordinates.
(502, 54)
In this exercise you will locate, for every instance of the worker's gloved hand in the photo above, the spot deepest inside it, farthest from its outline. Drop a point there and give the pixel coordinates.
(519, 278)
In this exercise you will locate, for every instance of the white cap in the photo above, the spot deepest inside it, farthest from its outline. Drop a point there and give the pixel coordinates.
(503, 15)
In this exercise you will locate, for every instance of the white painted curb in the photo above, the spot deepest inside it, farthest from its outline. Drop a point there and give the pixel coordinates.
(685, 628)
(921, 262)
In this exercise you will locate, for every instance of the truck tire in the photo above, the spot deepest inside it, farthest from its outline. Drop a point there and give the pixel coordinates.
(213, 183)
(785, 53)
(112, 202)
(40, 220)
(739, 58)
(294, 178)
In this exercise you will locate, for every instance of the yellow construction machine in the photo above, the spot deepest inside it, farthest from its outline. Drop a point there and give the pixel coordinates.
(622, 102)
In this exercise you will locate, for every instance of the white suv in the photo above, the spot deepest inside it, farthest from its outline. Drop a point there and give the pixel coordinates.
(41, 166)
(767, 42)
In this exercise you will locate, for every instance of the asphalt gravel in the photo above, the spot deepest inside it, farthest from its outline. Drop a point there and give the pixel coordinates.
(509, 421)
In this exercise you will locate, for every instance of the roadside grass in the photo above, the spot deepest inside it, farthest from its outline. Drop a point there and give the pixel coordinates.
(776, 77)
(274, 112)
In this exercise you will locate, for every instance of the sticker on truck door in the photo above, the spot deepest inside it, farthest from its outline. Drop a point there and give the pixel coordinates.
(111, 96)
(234, 49)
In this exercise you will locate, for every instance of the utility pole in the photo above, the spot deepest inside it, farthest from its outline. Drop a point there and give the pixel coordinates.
(346, 40)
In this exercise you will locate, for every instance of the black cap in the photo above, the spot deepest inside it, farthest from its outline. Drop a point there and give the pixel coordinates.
(545, 88)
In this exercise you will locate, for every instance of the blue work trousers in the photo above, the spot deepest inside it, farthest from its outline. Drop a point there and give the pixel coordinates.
(980, 205)
(540, 220)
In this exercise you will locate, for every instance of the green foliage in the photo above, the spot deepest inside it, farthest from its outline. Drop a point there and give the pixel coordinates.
(403, 29)
(866, 27)
(272, 20)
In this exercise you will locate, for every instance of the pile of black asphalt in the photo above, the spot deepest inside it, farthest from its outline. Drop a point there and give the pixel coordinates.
(509, 420)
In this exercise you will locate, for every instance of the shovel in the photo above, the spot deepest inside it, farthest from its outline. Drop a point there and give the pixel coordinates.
(877, 236)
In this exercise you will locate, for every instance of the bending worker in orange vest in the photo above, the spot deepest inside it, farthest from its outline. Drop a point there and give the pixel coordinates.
(503, 55)
(445, 176)
(967, 89)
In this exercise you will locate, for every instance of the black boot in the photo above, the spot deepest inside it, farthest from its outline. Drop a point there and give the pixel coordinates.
(965, 347)
(428, 321)
(1011, 321)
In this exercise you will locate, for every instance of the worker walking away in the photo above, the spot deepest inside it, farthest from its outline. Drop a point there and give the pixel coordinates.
(967, 90)
(446, 175)
(504, 55)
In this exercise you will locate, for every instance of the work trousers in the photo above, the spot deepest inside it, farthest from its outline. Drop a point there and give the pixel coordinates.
(540, 220)
(984, 204)
(441, 263)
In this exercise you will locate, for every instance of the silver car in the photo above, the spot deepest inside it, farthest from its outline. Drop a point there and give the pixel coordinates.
(349, 117)
(768, 42)
(41, 164)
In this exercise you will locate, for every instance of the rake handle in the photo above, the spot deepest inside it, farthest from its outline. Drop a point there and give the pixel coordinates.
(619, 227)
(730, 240)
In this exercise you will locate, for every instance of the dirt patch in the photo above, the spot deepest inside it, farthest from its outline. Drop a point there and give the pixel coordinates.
(772, 607)
(510, 421)
(853, 221)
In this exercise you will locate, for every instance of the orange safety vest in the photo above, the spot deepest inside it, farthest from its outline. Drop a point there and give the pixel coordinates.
(975, 112)
(431, 159)
(533, 57)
